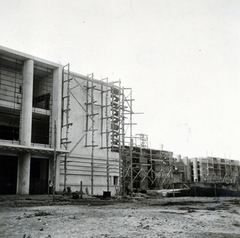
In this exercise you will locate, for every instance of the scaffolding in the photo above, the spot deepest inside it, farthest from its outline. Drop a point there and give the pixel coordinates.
(110, 121)
(127, 141)
(90, 127)
(220, 170)
(139, 167)
(105, 117)
(108, 108)
(99, 110)
(153, 169)
(65, 123)
(141, 140)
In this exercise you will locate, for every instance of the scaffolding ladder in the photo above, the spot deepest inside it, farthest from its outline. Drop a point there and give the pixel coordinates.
(90, 114)
(127, 138)
(111, 119)
(65, 124)
(105, 117)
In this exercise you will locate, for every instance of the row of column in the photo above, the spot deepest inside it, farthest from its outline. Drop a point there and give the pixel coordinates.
(24, 159)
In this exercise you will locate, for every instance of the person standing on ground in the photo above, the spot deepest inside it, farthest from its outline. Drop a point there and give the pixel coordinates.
(50, 185)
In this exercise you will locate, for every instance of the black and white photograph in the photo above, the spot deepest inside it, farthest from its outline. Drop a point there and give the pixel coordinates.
(120, 118)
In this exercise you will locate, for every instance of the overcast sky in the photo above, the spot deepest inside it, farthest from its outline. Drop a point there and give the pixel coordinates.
(180, 57)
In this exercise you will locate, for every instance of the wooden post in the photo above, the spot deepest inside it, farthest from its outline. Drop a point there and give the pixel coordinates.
(195, 190)
(215, 192)
(81, 191)
(173, 191)
(54, 160)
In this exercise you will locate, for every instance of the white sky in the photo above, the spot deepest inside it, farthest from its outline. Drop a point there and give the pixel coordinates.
(180, 57)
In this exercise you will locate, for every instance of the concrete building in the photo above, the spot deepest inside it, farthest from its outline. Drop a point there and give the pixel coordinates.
(145, 169)
(57, 125)
(60, 126)
(30, 102)
(214, 170)
(155, 169)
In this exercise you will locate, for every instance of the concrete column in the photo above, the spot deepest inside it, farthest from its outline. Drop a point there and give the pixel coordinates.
(26, 113)
(201, 170)
(51, 171)
(24, 160)
(195, 170)
(186, 168)
(23, 179)
(57, 184)
(51, 160)
(57, 105)
(178, 158)
(219, 174)
(56, 116)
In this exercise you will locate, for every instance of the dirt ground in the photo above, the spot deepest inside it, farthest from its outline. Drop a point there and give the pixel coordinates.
(163, 217)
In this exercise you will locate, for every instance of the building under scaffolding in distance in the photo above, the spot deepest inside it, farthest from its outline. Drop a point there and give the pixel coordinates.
(60, 126)
(146, 169)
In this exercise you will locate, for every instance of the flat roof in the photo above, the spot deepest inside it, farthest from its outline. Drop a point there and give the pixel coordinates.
(23, 56)
(45, 63)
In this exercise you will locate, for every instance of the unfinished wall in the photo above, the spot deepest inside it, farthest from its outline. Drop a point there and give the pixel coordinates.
(90, 159)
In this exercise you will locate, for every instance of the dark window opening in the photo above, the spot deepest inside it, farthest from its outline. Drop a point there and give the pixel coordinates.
(42, 87)
(9, 133)
(8, 174)
(42, 101)
(115, 180)
(9, 126)
(198, 171)
(192, 176)
(40, 130)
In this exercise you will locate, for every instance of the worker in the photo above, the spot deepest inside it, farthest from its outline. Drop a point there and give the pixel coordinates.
(50, 185)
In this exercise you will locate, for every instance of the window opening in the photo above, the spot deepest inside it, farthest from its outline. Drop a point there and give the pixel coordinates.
(115, 180)
(11, 79)
(42, 87)
(42, 99)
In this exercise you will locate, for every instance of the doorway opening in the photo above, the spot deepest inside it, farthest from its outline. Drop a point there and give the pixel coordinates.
(39, 176)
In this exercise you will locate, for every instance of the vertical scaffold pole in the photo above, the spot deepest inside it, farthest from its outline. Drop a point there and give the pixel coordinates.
(65, 120)
(54, 160)
(123, 151)
(90, 114)
(107, 133)
(131, 142)
(119, 138)
(93, 142)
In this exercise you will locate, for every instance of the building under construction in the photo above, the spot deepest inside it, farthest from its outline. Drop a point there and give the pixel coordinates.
(146, 169)
(71, 129)
(59, 126)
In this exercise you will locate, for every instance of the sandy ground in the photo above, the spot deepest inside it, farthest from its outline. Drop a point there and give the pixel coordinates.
(165, 217)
